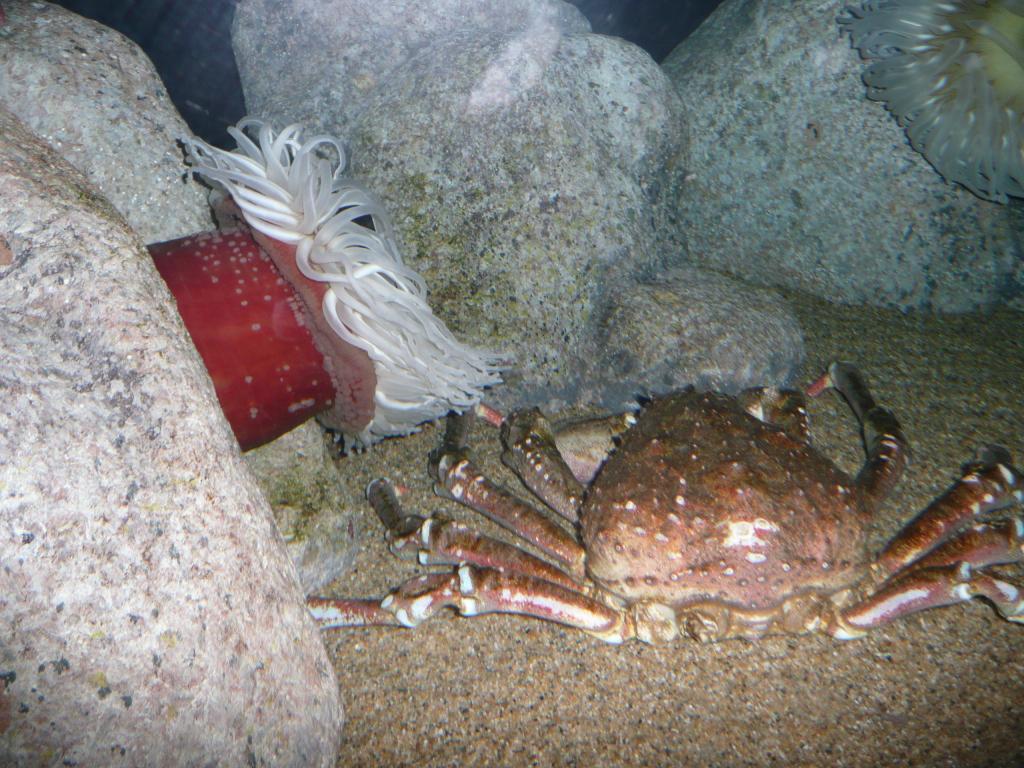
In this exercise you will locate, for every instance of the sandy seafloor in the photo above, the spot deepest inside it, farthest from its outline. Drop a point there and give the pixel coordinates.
(944, 688)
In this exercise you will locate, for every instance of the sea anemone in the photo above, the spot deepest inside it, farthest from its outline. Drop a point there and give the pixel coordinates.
(333, 244)
(952, 73)
(254, 335)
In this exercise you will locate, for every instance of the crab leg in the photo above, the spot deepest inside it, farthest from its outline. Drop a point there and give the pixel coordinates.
(979, 546)
(988, 483)
(459, 479)
(438, 540)
(331, 613)
(883, 439)
(924, 589)
(473, 591)
(531, 452)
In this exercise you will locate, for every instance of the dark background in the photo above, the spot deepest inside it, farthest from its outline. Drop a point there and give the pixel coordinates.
(189, 42)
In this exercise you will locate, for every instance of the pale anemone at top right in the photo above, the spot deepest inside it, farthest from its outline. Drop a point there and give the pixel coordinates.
(952, 73)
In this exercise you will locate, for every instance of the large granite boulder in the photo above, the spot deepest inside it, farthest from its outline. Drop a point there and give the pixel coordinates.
(800, 181)
(314, 61)
(95, 98)
(149, 610)
(533, 169)
(53, 64)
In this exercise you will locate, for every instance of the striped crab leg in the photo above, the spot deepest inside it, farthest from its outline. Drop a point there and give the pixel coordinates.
(988, 483)
(923, 589)
(492, 577)
(439, 540)
(473, 591)
(934, 561)
(458, 478)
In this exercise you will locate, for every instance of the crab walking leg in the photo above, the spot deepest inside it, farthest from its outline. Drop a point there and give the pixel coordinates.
(979, 546)
(531, 452)
(401, 608)
(438, 540)
(330, 613)
(884, 443)
(785, 408)
(921, 590)
(988, 483)
(473, 591)
(494, 592)
(459, 479)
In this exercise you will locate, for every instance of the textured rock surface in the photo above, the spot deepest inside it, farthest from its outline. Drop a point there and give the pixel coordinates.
(719, 336)
(532, 168)
(95, 97)
(801, 181)
(302, 484)
(527, 218)
(327, 56)
(148, 610)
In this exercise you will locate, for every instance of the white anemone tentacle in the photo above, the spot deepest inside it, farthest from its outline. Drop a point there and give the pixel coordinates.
(294, 191)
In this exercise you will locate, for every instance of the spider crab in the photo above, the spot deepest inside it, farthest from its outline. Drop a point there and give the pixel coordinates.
(714, 518)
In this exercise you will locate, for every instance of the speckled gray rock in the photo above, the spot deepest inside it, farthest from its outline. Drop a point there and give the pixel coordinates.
(720, 335)
(303, 485)
(532, 168)
(527, 218)
(327, 55)
(95, 97)
(801, 181)
(148, 610)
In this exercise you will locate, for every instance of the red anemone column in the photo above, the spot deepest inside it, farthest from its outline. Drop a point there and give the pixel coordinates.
(251, 330)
